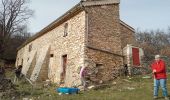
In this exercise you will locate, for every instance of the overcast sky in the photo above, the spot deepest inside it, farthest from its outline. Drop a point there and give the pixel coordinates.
(142, 14)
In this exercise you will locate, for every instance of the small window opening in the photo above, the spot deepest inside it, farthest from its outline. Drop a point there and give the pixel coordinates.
(99, 65)
(65, 30)
(30, 48)
(22, 62)
(51, 55)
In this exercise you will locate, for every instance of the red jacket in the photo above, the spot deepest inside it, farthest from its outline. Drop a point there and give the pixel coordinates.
(159, 66)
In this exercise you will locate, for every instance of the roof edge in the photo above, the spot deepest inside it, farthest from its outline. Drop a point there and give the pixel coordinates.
(126, 25)
(77, 8)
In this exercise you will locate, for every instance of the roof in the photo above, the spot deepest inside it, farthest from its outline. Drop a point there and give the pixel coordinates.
(126, 25)
(69, 14)
(76, 9)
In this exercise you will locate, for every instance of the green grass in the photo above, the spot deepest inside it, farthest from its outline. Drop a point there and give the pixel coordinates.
(136, 89)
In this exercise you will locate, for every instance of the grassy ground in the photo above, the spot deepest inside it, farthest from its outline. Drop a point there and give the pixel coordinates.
(135, 88)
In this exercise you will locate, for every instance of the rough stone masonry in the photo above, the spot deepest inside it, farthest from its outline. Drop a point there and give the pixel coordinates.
(90, 32)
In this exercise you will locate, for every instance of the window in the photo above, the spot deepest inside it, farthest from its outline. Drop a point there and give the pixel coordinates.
(51, 55)
(30, 48)
(65, 30)
(17, 62)
(99, 65)
(22, 62)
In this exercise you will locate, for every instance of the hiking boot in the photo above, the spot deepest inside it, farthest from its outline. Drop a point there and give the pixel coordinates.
(166, 98)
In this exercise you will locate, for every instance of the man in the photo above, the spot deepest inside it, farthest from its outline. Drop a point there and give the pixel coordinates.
(159, 72)
(18, 73)
(83, 73)
(126, 70)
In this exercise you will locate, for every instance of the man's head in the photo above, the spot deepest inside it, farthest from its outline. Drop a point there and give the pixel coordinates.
(157, 57)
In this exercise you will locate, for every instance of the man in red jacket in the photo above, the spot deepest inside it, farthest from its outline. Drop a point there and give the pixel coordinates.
(159, 71)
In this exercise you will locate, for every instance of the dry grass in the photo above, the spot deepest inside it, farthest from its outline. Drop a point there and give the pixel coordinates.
(136, 88)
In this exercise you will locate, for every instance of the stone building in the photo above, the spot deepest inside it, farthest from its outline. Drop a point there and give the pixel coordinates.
(90, 32)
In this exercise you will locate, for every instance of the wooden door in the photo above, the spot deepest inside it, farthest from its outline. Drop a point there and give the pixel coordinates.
(135, 56)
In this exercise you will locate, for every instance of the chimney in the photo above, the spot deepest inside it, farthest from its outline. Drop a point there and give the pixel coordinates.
(103, 24)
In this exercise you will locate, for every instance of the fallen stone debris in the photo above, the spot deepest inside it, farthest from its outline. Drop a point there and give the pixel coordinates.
(130, 88)
(146, 77)
(7, 88)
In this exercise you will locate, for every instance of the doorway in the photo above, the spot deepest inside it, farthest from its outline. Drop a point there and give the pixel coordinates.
(135, 55)
(64, 66)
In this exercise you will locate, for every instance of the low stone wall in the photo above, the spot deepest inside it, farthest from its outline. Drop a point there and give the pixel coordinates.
(105, 62)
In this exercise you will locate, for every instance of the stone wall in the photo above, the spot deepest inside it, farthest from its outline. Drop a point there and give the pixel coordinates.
(103, 40)
(19, 58)
(127, 36)
(104, 28)
(93, 35)
(107, 62)
(72, 45)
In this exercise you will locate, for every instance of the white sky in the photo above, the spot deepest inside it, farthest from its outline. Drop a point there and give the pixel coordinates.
(142, 14)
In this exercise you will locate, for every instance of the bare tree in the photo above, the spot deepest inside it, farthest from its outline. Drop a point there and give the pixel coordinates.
(13, 16)
(154, 42)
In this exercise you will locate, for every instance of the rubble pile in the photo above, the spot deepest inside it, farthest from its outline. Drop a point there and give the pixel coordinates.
(7, 88)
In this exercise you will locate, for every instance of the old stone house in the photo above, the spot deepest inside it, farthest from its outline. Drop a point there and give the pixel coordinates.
(90, 32)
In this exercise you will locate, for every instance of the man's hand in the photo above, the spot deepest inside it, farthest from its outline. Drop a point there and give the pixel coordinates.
(154, 71)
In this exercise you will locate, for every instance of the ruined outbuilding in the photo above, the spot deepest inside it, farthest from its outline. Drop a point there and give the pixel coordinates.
(90, 32)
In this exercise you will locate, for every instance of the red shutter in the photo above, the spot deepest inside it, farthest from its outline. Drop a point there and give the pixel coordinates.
(135, 56)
